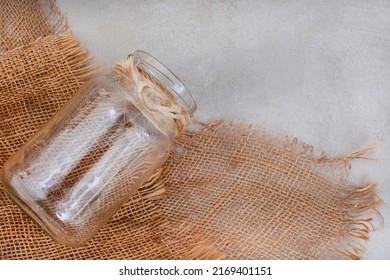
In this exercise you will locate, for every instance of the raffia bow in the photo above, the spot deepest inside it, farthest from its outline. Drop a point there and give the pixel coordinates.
(150, 95)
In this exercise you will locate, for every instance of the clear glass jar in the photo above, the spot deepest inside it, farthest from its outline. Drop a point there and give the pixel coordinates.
(73, 175)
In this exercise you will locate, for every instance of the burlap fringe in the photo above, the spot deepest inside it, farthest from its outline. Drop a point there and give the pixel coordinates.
(78, 58)
(75, 55)
(289, 142)
(361, 214)
(53, 16)
(81, 62)
(361, 202)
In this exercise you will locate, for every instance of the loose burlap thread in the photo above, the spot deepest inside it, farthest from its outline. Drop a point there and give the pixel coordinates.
(229, 190)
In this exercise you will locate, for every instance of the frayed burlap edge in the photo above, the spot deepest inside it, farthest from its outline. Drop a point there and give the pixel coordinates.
(53, 16)
(361, 204)
(77, 56)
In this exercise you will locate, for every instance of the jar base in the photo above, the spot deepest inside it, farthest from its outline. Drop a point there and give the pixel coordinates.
(37, 220)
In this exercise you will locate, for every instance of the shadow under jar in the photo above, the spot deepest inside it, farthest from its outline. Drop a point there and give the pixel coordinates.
(72, 176)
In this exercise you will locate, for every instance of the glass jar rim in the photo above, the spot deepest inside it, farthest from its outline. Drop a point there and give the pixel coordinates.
(165, 76)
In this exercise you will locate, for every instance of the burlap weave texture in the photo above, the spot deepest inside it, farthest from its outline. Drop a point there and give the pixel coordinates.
(228, 190)
(24, 21)
(254, 195)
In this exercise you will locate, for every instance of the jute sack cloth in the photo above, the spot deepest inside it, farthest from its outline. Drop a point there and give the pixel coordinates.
(229, 190)
(254, 195)
(24, 21)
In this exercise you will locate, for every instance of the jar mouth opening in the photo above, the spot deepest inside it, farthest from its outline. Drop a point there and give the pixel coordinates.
(169, 80)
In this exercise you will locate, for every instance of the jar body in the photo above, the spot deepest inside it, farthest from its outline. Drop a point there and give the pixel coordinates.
(75, 173)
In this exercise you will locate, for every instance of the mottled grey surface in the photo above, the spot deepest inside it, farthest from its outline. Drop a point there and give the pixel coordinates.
(319, 70)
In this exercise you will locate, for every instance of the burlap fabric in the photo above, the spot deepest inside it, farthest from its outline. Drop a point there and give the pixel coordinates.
(228, 191)
(254, 195)
(23, 21)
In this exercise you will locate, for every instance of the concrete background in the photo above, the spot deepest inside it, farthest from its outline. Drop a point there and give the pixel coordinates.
(318, 70)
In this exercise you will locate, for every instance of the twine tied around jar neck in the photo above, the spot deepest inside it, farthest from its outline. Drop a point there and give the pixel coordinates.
(150, 94)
